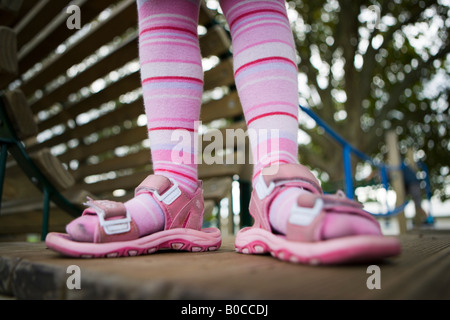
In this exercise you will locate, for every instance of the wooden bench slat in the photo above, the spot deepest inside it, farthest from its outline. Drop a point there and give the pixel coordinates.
(48, 41)
(52, 168)
(206, 171)
(129, 137)
(215, 42)
(206, 15)
(10, 11)
(36, 19)
(122, 18)
(117, 117)
(112, 92)
(227, 107)
(217, 188)
(128, 182)
(221, 75)
(143, 157)
(123, 54)
(20, 114)
(137, 159)
(8, 52)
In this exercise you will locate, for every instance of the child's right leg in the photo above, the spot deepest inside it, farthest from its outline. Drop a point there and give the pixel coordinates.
(172, 83)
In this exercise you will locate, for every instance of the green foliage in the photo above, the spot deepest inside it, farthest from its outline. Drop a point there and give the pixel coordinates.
(365, 76)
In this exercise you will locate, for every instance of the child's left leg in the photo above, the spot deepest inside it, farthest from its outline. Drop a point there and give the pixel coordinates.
(285, 192)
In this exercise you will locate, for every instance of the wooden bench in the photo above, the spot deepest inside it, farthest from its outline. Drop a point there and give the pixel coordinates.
(80, 93)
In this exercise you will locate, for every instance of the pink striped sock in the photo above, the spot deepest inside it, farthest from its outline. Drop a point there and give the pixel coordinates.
(172, 81)
(266, 80)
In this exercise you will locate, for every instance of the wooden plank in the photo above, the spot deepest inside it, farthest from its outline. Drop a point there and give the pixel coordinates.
(126, 182)
(206, 15)
(117, 117)
(30, 220)
(20, 114)
(8, 54)
(36, 19)
(128, 137)
(126, 52)
(217, 188)
(221, 75)
(227, 107)
(50, 39)
(215, 42)
(17, 185)
(122, 18)
(10, 11)
(206, 171)
(129, 181)
(137, 159)
(421, 272)
(112, 92)
(52, 169)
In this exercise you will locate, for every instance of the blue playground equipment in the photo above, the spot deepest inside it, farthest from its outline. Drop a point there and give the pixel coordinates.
(384, 169)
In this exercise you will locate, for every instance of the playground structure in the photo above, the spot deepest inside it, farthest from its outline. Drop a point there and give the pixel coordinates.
(394, 169)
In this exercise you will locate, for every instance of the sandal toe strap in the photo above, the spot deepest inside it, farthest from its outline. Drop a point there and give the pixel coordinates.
(115, 222)
(306, 218)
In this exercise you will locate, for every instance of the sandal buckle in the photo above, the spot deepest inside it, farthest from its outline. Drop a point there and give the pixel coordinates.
(170, 195)
(301, 216)
(115, 226)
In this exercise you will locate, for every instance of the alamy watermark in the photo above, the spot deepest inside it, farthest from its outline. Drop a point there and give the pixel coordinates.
(74, 19)
(191, 148)
(374, 280)
(73, 281)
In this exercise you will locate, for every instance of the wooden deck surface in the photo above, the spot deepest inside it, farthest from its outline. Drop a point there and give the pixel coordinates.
(31, 271)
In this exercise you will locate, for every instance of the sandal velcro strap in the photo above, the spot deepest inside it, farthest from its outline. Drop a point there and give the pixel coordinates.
(286, 175)
(164, 189)
(180, 209)
(108, 210)
(115, 222)
(307, 215)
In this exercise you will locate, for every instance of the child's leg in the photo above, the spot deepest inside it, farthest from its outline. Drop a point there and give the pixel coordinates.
(266, 79)
(172, 81)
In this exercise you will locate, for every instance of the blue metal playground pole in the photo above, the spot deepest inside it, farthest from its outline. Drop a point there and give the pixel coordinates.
(348, 171)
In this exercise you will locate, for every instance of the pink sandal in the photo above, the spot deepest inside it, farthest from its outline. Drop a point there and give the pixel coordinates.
(117, 234)
(304, 241)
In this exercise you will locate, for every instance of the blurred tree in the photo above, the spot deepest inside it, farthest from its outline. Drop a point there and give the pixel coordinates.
(371, 66)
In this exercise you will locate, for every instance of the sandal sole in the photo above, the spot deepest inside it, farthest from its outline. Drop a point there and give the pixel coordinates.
(208, 239)
(361, 248)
